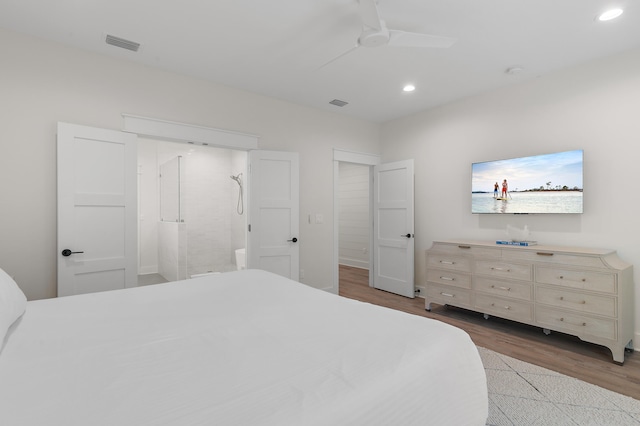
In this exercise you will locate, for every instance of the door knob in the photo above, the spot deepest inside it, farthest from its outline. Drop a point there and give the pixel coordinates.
(67, 252)
(293, 240)
(407, 235)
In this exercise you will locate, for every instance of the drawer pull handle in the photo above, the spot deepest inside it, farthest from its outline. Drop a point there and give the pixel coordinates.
(501, 269)
(502, 288)
(584, 324)
(447, 262)
(464, 247)
(447, 278)
(581, 279)
(581, 302)
(542, 253)
(447, 294)
(505, 307)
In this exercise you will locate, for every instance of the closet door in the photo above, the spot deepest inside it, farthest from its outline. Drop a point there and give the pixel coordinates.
(274, 213)
(97, 209)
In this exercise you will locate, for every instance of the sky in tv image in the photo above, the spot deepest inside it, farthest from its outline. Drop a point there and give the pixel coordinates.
(548, 172)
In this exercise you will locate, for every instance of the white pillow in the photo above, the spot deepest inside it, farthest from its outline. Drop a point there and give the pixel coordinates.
(12, 304)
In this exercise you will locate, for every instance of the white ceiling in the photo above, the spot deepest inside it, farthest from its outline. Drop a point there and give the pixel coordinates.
(278, 48)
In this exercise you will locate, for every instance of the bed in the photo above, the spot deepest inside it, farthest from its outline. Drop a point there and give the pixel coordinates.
(239, 348)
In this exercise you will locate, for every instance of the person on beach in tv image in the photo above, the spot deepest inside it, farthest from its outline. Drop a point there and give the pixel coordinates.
(505, 187)
(495, 190)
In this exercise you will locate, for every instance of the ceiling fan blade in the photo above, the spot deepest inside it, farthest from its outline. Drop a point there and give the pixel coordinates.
(369, 14)
(339, 56)
(406, 39)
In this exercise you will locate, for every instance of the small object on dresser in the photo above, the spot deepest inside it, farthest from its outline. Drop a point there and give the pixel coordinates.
(517, 243)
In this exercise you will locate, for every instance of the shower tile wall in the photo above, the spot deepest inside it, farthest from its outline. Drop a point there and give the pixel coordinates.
(208, 211)
(172, 251)
(238, 221)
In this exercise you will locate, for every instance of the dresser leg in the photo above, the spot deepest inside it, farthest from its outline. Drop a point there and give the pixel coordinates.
(546, 331)
(618, 355)
(486, 316)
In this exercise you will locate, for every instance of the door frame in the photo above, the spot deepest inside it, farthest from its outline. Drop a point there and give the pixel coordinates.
(355, 158)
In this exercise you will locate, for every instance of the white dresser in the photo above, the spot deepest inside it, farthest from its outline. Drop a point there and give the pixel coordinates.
(584, 292)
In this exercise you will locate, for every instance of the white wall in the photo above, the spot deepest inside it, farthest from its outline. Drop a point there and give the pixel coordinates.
(595, 107)
(43, 83)
(354, 232)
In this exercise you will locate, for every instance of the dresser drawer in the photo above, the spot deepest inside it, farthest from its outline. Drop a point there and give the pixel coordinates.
(445, 295)
(532, 254)
(510, 289)
(449, 278)
(504, 308)
(513, 271)
(583, 280)
(591, 303)
(449, 262)
(467, 249)
(574, 323)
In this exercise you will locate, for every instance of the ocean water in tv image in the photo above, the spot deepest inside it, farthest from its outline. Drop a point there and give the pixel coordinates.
(529, 202)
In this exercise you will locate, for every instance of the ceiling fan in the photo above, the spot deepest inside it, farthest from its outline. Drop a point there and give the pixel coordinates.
(375, 33)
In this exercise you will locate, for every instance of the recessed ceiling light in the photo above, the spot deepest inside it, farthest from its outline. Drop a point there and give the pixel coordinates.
(409, 88)
(610, 14)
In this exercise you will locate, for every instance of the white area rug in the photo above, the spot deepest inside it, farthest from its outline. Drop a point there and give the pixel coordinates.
(525, 394)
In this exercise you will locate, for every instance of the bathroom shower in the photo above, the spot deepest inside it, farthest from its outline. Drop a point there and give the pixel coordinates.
(198, 230)
(240, 205)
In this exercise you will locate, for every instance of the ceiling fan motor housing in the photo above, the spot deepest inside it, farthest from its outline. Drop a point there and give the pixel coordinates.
(374, 37)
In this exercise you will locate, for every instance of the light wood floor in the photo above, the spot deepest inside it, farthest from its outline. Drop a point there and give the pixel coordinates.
(559, 352)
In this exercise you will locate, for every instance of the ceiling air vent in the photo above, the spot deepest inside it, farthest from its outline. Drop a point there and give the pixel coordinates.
(338, 102)
(120, 42)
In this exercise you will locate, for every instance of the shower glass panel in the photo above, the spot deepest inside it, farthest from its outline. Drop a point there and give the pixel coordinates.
(171, 193)
(172, 231)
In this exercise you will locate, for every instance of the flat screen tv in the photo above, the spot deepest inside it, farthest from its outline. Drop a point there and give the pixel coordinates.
(548, 183)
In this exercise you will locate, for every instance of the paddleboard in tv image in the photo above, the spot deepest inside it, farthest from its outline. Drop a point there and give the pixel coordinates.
(547, 183)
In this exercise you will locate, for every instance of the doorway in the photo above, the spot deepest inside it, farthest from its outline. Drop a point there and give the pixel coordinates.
(391, 253)
(99, 258)
(359, 164)
(354, 230)
(191, 202)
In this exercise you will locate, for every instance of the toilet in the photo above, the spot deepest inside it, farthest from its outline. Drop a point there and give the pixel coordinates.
(241, 259)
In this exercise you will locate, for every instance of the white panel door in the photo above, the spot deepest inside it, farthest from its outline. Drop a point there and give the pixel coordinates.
(97, 209)
(273, 200)
(393, 228)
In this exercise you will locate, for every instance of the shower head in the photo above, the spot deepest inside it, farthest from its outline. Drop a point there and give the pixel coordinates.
(237, 178)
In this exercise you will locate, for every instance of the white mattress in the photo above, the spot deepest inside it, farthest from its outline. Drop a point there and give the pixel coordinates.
(240, 348)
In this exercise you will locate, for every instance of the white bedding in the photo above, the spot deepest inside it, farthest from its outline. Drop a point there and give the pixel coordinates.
(240, 348)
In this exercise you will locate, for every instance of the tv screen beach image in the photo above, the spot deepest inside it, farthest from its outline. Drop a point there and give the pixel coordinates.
(549, 183)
